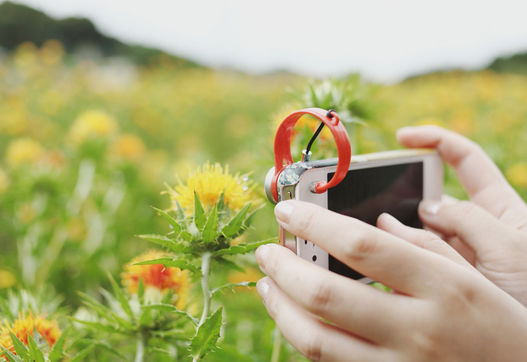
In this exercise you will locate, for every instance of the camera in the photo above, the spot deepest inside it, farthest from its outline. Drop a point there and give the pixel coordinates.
(368, 185)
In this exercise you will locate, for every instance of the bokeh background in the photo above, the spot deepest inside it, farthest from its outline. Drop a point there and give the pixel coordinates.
(102, 103)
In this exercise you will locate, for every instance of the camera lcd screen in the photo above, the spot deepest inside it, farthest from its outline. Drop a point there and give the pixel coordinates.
(366, 193)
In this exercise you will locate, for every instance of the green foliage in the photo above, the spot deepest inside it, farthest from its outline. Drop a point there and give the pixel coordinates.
(207, 336)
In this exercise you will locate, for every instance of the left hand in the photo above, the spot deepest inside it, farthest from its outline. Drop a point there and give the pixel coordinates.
(443, 308)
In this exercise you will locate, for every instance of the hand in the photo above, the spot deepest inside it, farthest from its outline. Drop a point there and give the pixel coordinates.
(443, 309)
(490, 231)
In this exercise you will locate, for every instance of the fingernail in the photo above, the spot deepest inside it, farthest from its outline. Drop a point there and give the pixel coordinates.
(263, 288)
(430, 207)
(261, 255)
(283, 211)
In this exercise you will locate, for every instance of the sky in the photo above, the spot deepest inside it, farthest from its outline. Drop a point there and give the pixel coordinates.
(385, 40)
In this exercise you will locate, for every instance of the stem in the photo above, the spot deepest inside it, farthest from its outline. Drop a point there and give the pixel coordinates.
(205, 268)
(277, 344)
(139, 355)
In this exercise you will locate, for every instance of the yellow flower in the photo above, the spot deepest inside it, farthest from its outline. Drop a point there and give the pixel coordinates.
(4, 181)
(92, 124)
(157, 277)
(209, 183)
(26, 325)
(7, 279)
(517, 175)
(129, 147)
(24, 150)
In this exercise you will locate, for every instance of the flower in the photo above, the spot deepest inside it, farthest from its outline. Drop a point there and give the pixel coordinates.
(24, 150)
(26, 325)
(517, 175)
(4, 181)
(157, 277)
(209, 182)
(92, 124)
(128, 147)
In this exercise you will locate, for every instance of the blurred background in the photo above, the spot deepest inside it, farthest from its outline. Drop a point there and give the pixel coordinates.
(103, 102)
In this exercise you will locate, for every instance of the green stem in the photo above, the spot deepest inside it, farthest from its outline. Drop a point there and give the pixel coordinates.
(140, 353)
(277, 345)
(205, 269)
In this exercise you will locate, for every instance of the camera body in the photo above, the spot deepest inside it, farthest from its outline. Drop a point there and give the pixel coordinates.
(393, 182)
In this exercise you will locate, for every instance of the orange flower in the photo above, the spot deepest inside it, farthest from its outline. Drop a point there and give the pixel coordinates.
(157, 277)
(25, 325)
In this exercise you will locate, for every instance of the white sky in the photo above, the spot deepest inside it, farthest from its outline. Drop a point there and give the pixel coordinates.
(386, 40)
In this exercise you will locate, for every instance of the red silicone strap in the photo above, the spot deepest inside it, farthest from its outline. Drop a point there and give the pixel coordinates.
(282, 147)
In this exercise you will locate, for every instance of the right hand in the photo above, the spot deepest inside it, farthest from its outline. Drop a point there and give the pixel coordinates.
(490, 230)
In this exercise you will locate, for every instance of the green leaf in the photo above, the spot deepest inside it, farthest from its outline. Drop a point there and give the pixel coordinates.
(206, 336)
(170, 262)
(34, 353)
(121, 297)
(10, 356)
(227, 264)
(234, 226)
(199, 213)
(249, 219)
(211, 227)
(231, 286)
(185, 235)
(108, 348)
(99, 308)
(20, 348)
(175, 225)
(80, 356)
(96, 325)
(58, 349)
(243, 248)
(158, 239)
(171, 309)
(221, 202)
(141, 290)
(180, 213)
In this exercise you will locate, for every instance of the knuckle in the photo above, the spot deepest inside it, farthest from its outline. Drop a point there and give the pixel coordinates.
(361, 245)
(320, 297)
(311, 345)
(459, 297)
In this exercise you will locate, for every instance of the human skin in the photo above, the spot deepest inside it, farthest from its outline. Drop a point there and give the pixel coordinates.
(442, 308)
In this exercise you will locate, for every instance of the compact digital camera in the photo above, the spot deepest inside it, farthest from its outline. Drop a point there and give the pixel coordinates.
(393, 182)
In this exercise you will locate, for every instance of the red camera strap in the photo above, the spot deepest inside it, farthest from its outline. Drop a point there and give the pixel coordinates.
(282, 146)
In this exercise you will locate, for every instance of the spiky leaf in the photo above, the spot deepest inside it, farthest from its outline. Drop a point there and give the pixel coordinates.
(171, 309)
(10, 356)
(121, 297)
(80, 356)
(157, 239)
(231, 286)
(35, 354)
(243, 248)
(199, 213)
(96, 325)
(141, 290)
(175, 225)
(206, 336)
(235, 226)
(20, 348)
(170, 262)
(221, 202)
(211, 227)
(58, 349)
(185, 235)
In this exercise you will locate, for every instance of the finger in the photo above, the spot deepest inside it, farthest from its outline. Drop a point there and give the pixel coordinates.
(358, 308)
(477, 228)
(367, 249)
(316, 340)
(422, 238)
(458, 245)
(478, 174)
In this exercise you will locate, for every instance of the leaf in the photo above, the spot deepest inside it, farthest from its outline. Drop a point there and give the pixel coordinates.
(243, 248)
(175, 225)
(80, 356)
(96, 325)
(34, 353)
(170, 262)
(99, 308)
(171, 309)
(58, 349)
(141, 290)
(206, 336)
(236, 224)
(185, 235)
(249, 219)
(10, 356)
(158, 239)
(211, 227)
(221, 202)
(121, 297)
(108, 348)
(20, 349)
(180, 213)
(231, 286)
(230, 265)
(199, 213)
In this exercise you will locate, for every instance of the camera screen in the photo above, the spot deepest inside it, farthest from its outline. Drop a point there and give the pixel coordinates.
(366, 193)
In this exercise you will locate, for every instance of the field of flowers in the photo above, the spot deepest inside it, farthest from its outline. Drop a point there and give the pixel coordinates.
(87, 148)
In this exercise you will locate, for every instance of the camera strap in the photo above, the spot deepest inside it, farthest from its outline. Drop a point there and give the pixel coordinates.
(282, 146)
